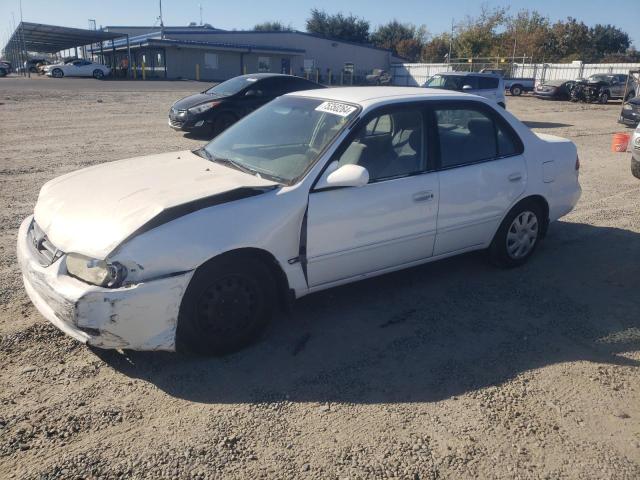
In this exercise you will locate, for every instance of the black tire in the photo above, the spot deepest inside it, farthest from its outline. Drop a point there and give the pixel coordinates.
(223, 121)
(500, 250)
(98, 74)
(635, 168)
(226, 307)
(516, 90)
(57, 73)
(603, 98)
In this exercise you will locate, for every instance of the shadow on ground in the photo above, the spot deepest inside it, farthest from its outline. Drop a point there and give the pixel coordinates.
(430, 332)
(531, 124)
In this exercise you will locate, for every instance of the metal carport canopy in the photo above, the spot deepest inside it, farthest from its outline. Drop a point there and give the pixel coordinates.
(37, 37)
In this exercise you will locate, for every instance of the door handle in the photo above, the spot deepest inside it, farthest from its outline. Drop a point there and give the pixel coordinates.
(423, 196)
(514, 177)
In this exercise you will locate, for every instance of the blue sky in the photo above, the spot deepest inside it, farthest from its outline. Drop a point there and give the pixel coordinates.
(436, 15)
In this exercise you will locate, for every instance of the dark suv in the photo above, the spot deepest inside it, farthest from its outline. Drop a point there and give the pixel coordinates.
(215, 109)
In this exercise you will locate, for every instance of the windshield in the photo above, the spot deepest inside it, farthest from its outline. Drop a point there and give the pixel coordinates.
(448, 82)
(231, 87)
(283, 139)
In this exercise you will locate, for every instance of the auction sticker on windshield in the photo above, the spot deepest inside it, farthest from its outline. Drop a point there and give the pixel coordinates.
(336, 108)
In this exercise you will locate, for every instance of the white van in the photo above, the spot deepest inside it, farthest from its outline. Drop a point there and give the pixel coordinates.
(487, 85)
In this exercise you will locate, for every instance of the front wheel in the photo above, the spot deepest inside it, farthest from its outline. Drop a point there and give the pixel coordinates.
(227, 305)
(518, 235)
(98, 74)
(604, 98)
(224, 121)
(516, 90)
(57, 73)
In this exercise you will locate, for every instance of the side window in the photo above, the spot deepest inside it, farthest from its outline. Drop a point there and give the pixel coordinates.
(471, 81)
(390, 145)
(487, 83)
(468, 135)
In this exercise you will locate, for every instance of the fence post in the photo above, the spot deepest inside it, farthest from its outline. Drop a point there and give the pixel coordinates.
(342, 77)
(329, 77)
(197, 71)
(144, 73)
(317, 75)
(135, 71)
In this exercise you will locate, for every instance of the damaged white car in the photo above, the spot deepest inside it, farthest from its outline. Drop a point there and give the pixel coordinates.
(194, 250)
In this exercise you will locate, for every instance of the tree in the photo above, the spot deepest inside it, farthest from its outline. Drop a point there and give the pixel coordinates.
(403, 39)
(572, 41)
(476, 36)
(608, 40)
(437, 49)
(274, 26)
(527, 31)
(338, 26)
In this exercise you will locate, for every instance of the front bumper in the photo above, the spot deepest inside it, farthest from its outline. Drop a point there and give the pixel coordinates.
(188, 122)
(142, 316)
(630, 118)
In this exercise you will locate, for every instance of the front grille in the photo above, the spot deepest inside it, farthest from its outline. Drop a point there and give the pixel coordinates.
(175, 122)
(46, 252)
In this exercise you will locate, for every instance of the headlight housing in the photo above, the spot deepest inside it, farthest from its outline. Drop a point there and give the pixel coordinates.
(627, 106)
(202, 108)
(96, 272)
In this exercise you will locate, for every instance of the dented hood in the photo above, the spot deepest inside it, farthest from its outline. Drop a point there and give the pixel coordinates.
(91, 211)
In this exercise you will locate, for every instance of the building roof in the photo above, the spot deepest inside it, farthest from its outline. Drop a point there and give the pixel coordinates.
(153, 39)
(38, 37)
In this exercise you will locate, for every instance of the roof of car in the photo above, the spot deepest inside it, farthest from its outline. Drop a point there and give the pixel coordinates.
(374, 95)
(466, 74)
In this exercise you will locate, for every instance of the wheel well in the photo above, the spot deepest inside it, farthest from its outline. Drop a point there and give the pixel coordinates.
(542, 202)
(257, 254)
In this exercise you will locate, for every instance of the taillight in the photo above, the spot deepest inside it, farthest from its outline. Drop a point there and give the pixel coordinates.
(577, 163)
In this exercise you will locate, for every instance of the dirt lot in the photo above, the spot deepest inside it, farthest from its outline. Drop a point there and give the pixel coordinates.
(451, 370)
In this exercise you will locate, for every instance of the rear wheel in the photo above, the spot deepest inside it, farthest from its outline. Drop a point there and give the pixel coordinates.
(516, 90)
(604, 97)
(227, 305)
(98, 74)
(518, 235)
(57, 73)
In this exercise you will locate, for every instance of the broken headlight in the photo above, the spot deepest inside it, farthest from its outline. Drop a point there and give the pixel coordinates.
(96, 272)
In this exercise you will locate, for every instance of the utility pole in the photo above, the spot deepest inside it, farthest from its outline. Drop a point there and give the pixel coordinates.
(450, 42)
(161, 23)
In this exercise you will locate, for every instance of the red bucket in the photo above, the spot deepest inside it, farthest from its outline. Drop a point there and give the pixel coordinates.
(620, 142)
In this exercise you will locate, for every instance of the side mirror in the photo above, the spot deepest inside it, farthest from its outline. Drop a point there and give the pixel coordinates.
(467, 87)
(345, 176)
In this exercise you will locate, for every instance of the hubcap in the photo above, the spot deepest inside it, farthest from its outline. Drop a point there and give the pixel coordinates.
(228, 307)
(522, 235)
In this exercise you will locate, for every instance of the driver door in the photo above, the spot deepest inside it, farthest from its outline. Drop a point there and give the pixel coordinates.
(387, 223)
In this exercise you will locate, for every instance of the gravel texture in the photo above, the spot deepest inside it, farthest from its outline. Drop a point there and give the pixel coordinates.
(450, 370)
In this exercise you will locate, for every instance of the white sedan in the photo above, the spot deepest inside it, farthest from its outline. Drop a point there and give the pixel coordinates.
(195, 249)
(77, 68)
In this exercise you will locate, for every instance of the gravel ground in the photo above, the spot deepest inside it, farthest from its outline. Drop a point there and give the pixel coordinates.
(450, 370)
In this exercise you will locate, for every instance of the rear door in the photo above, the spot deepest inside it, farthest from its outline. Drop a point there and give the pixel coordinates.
(482, 173)
(488, 87)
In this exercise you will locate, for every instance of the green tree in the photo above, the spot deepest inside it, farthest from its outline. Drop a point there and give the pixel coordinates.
(403, 39)
(527, 32)
(608, 40)
(476, 36)
(338, 26)
(274, 26)
(572, 41)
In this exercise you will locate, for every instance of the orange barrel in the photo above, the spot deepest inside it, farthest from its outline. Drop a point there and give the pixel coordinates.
(620, 142)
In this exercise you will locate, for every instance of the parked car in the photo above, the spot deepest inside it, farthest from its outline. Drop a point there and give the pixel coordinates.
(613, 86)
(77, 68)
(485, 85)
(5, 66)
(379, 77)
(515, 85)
(635, 153)
(554, 89)
(194, 249)
(630, 115)
(590, 91)
(220, 106)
